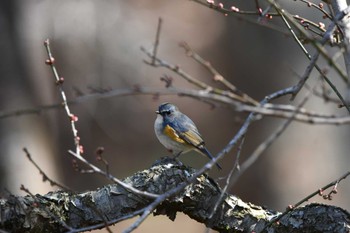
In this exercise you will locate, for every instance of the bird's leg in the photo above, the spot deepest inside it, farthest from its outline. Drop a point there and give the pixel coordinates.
(177, 155)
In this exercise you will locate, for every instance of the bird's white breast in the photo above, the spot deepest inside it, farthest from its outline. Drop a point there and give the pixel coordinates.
(168, 143)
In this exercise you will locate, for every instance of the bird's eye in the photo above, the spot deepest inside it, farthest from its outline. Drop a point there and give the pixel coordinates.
(167, 113)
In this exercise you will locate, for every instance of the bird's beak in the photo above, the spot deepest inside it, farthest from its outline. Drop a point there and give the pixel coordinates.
(157, 112)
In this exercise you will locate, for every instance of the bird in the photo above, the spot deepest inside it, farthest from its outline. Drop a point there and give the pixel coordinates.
(178, 133)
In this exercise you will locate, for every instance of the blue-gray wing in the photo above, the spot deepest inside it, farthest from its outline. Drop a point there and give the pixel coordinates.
(187, 130)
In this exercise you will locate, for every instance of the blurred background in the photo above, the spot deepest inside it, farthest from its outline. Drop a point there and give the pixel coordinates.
(96, 45)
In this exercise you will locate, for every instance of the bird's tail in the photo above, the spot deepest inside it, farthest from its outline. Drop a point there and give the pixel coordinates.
(204, 151)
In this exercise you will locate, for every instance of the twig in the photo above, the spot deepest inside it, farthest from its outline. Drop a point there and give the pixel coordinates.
(235, 167)
(45, 177)
(324, 93)
(311, 26)
(257, 6)
(331, 120)
(217, 76)
(112, 178)
(99, 157)
(318, 46)
(156, 43)
(231, 10)
(318, 7)
(334, 183)
(312, 62)
(243, 107)
(29, 111)
(59, 82)
(273, 110)
(327, 36)
(176, 69)
(242, 97)
(111, 222)
(73, 119)
(267, 143)
(317, 192)
(244, 128)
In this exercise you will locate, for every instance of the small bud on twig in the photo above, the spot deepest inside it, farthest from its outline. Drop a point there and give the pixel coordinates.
(50, 61)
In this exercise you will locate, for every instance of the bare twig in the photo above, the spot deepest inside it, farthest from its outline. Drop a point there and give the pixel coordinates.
(111, 222)
(217, 76)
(313, 60)
(244, 128)
(99, 157)
(45, 177)
(234, 11)
(59, 82)
(318, 7)
(227, 186)
(97, 170)
(176, 69)
(241, 133)
(230, 10)
(156, 43)
(317, 192)
(273, 110)
(317, 45)
(242, 97)
(267, 143)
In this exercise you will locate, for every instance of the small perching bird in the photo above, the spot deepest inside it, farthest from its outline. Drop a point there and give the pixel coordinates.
(177, 132)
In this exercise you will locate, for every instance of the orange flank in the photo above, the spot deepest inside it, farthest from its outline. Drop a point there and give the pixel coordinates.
(171, 133)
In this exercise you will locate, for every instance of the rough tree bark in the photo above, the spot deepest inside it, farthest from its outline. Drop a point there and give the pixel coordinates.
(50, 212)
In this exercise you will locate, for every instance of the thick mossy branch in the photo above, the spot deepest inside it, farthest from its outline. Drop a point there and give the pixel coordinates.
(62, 211)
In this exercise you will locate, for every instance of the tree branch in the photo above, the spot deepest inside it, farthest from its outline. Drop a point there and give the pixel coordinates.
(63, 211)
